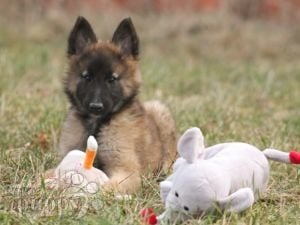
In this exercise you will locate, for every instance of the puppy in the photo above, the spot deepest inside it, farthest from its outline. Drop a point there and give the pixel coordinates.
(102, 84)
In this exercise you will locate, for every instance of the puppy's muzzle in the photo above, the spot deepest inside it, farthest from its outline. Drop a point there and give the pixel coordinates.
(96, 107)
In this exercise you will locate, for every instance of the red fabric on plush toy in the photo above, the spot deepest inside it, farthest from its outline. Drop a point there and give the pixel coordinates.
(148, 216)
(295, 157)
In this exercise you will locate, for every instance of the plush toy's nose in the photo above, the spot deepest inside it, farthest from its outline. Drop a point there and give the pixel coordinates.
(148, 216)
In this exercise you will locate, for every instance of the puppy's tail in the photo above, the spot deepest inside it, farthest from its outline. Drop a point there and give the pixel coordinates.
(166, 130)
(291, 157)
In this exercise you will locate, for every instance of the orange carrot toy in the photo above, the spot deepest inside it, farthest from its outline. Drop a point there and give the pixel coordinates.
(91, 151)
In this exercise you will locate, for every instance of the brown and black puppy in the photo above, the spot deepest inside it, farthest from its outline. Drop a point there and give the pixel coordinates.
(102, 84)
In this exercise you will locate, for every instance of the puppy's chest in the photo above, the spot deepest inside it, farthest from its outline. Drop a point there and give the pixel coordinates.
(107, 141)
(114, 139)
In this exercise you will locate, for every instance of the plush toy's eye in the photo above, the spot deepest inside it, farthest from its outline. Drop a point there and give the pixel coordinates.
(176, 194)
(186, 208)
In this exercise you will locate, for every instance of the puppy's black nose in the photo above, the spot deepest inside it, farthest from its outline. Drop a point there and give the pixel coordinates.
(96, 106)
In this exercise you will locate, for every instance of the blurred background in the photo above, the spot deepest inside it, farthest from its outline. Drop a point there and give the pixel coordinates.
(208, 56)
(244, 8)
(196, 55)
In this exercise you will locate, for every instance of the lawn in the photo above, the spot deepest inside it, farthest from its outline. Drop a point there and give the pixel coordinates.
(236, 80)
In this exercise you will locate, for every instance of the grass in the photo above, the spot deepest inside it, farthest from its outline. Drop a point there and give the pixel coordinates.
(235, 80)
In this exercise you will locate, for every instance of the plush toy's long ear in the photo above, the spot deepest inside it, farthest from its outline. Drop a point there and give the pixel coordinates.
(191, 144)
(238, 201)
(165, 188)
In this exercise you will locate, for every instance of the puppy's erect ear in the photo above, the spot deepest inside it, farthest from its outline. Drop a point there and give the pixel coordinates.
(81, 36)
(126, 38)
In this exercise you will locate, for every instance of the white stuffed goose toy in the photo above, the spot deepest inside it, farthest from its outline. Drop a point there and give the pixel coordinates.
(229, 176)
(76, 171)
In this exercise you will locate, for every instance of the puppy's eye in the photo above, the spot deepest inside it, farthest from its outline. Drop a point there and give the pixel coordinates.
(186, 208)
(176, 194)
(85, 75)
(113, 77)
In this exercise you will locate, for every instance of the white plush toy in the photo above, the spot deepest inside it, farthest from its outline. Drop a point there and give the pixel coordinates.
(229, 176)
(76, 171)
